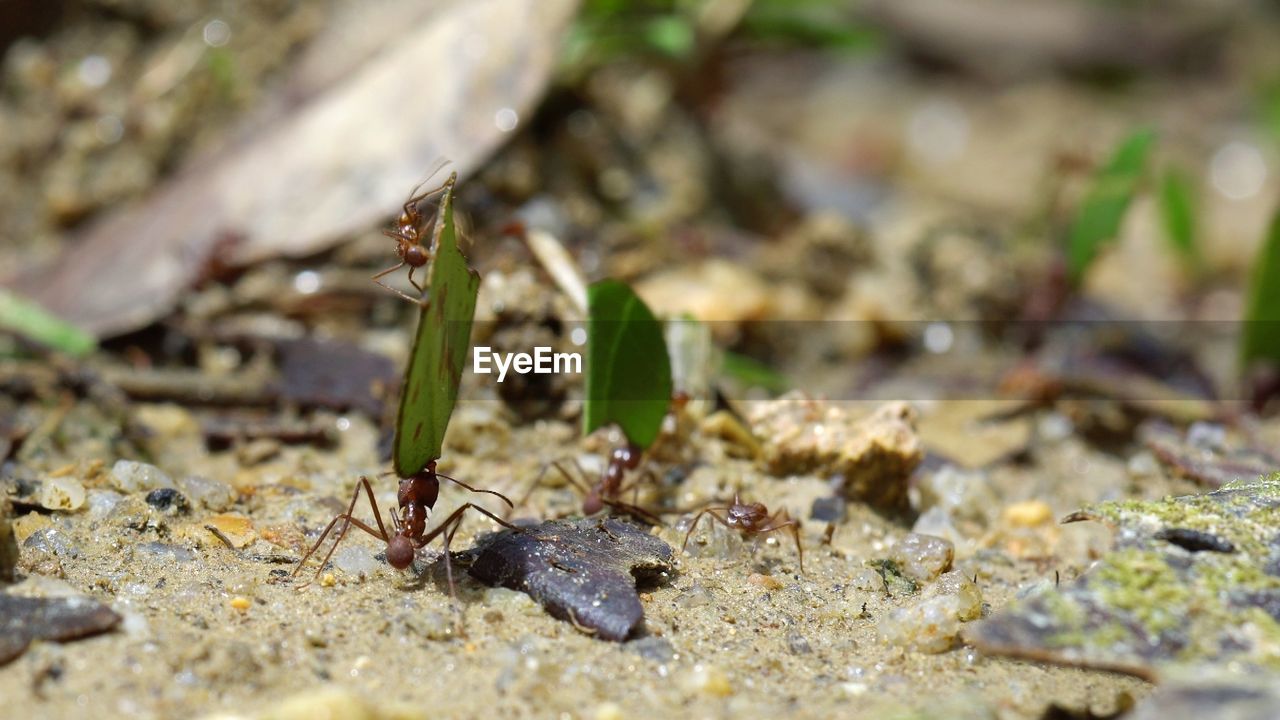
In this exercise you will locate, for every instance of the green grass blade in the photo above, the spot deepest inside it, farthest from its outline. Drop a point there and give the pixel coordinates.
(23, 317)
(439, 349)
(753, 373)
(1098, 220)
(628, 368)
(1178, 212)
(1260, 337)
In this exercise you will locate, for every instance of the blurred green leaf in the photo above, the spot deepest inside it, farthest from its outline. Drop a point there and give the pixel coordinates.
(23, 317)
(1098, 220)
(1178, 211)
(671, 35)
(752, 373)
(1260, 338)
(808, 24)
(628, 368)
(439, 349)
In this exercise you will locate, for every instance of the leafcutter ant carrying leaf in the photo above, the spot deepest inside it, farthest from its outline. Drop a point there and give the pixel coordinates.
(426, 402)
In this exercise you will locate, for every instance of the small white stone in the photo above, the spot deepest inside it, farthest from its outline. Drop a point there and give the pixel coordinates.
(355, 560)
(131, 477)
(923, 557)
(62, 493)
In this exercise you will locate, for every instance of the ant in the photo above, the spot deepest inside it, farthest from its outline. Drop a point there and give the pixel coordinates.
(607, 491)
(416, 497)
(750, 519)
(409, 232)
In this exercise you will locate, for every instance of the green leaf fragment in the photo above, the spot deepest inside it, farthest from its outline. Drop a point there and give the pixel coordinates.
(439, 349)
(1260, 337)
(23, 317)
(1178, 212)
(628, 368)
(1098, 220)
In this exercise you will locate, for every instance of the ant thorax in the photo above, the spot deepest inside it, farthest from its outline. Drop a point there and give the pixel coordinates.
(746, 516)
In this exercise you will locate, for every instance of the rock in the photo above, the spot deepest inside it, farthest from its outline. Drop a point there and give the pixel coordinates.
(238, 529)
(168, 500)
(130, 477)
(923, 557)
(708, 680)
(1192, 581)
(931, 623)
(874, 455)
(212, 494)
(1028, 513)
(23, 619)
(582, 571)
(62, 493)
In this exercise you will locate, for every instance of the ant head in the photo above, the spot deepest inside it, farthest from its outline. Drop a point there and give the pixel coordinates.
(399, 552)
(628, 456)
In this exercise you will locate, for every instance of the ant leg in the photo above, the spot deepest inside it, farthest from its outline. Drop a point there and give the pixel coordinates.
(477, 490)
(576, 483)
(693, 525)
(377, 278)
(634, 511)
(414, 283)
(380, 533)
(794, 528)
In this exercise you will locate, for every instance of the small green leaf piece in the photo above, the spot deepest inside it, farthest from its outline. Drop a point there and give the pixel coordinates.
(628, 368)
(1098, 220)
(23, 317)
(1260, 338)
(439, 350)
(1177, 210)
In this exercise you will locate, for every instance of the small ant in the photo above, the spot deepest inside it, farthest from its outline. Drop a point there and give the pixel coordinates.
(607, 491)
(416, 497)
(409, 233)
(749, 519)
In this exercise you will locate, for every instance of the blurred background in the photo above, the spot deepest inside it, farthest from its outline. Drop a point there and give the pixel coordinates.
(744, 161)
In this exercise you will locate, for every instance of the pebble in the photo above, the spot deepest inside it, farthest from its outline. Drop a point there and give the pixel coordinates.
(130, 477)
(102, 502)
(652, 647)
(355, 560)
(768, 582)
(923, 557)
(1028, 513)
(608, 711)
(62, 493)
(931, 623)
(709, 680)
(330, 704)
(51, 540)
(27, 525)
(241, 603)
(867, 580)
(214, 495)
(875, 455)
(167, 499)
(237, 528)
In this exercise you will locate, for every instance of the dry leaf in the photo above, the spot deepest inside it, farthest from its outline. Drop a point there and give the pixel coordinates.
(338, 162)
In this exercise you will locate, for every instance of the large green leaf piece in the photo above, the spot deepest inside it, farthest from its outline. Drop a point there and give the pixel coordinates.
(439, 350)
(1260, 339)
(1178, 211)
(1098, 220)
(628, 369)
